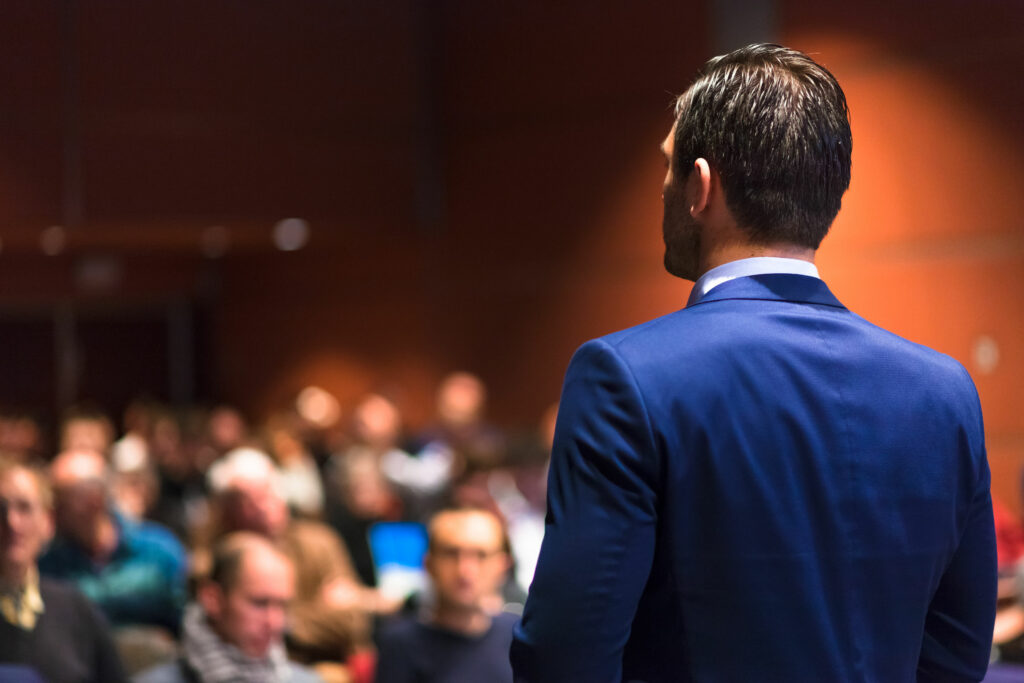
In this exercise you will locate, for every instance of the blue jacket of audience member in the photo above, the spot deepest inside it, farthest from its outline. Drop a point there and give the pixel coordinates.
(143, 583)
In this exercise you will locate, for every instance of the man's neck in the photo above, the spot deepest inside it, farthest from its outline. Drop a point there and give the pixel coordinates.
(13, 578)
(734, 251)
(103, 541)
(470, 622)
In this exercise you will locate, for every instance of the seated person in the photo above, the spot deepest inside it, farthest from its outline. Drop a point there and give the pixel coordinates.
(46, 628)
(460, 637)
(134, 572)
(233, 632)
(329, 619)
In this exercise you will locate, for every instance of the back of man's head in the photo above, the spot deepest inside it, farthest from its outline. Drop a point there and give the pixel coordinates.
(247, 489)
(774, 124)
(246, 595)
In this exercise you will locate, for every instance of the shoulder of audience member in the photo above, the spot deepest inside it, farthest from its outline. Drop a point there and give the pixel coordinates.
(156, 540)
(60, 558)
(56, 591)
(168, 672)
(65, 601)
(505, 622)
(302, 674)
(506, 619)
(314, 533)
(175, 672)
(398, 632)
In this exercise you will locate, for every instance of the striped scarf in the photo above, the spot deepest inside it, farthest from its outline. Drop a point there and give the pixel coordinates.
(219, 662)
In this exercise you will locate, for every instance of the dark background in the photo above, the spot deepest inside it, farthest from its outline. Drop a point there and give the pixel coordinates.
(481, 180)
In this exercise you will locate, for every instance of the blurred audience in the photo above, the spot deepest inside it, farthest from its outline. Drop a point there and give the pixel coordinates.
(47, 629)
(211, 485)
(131, 451)
(297, 470)
(460, 636)
(1008, 631)
(180, 456)
(135, 485)
(460, 432)
(85, 428)
(377, 430)
(360, 492)
(234, 629)
(21, 439)
(226, 430)
(330, 614)
(133, 571)
(519, 492)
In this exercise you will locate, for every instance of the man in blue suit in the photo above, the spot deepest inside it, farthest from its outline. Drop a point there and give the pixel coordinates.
(762, 486)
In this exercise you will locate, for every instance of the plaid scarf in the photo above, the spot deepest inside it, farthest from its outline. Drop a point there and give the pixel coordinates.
(219, 662)
(22, 606)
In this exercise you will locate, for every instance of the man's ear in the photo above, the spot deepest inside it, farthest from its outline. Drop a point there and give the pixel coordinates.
(430, 565)
(700, 186)
(211, 597)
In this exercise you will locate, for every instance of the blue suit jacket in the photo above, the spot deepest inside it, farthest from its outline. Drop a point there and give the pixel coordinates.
(763, 487)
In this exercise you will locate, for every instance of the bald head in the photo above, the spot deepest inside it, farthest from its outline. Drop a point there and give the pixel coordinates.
(249, 589)
(236, 550)
(78, 466)
(79, 480)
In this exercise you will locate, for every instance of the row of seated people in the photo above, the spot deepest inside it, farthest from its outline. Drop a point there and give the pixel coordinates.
(138, 572)
(250, 616)
(349, 473)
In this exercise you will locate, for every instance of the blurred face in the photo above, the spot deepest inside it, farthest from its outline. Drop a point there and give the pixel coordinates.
(25, 523)
(366, 492)
(19, 436)
(466, 560)
(680, 231)
(80, 493)
(376, 422)
(460, 400)
(78, 506)
(226, 429)
(86, 435)
(251, 614)
(285, 446)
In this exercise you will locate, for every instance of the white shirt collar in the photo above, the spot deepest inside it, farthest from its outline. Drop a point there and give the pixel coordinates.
(758, 265)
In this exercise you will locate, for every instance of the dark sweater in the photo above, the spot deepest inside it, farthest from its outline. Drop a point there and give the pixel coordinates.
(70, 643)
(414, 652)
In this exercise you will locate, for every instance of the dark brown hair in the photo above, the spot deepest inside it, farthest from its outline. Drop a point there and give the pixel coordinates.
(775, 126)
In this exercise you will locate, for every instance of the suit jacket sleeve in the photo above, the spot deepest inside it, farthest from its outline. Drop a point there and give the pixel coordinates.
(958, 628)
(600, 528)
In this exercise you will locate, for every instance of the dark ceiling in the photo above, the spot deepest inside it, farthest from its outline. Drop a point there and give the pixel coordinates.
(140, 124)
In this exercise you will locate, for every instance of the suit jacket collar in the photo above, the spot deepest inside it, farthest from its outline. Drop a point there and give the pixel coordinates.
(773, 287)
